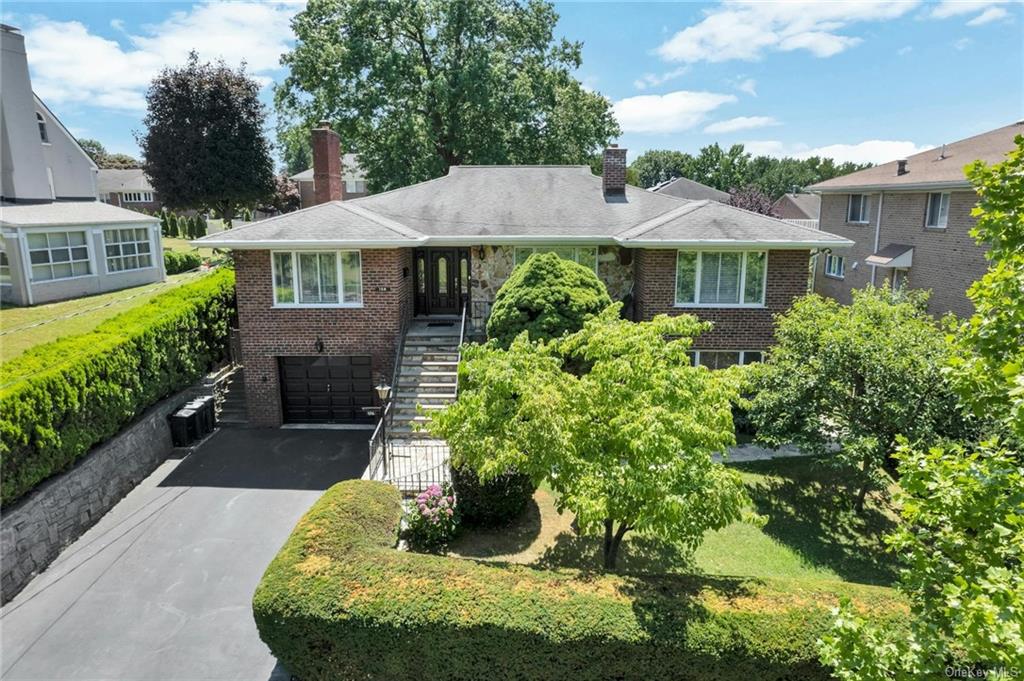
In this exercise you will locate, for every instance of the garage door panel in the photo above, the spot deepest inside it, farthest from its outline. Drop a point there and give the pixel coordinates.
(326, 389)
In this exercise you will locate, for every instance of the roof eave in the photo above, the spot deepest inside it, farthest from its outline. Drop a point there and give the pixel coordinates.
(734, 243)
(299, 244)
(863, 188)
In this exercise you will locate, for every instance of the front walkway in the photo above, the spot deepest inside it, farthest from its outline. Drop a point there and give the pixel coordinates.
(161, 588)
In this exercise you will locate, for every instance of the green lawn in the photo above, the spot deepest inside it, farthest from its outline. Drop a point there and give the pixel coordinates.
(808, 530)
(183, 246)
(25, 327)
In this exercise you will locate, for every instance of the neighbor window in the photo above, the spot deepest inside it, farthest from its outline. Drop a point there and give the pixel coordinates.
(42, 128)
(137, 197)
(127, 249)
(857, 209)
(58, 255)
(719, 278)
(584, 255)
(720, 359)
(938, 210)
(355, 186)
(5, 269)
(317, 278)
(835, 266)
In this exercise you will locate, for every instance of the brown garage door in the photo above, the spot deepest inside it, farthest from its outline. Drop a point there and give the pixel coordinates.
(326, 389)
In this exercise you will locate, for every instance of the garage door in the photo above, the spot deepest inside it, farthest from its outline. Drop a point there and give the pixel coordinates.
(326, 389)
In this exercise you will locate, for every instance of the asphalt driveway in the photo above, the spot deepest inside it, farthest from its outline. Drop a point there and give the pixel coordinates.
(160, 589)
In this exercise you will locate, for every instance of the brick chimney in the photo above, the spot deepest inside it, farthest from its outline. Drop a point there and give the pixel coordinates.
(327, 184)
(613, 170)
(901, 167)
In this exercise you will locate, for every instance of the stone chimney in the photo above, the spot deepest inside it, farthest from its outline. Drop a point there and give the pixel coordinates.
(327, 184)
(613, 170)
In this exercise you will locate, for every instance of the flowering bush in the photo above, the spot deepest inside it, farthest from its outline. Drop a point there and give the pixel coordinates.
(434, 520)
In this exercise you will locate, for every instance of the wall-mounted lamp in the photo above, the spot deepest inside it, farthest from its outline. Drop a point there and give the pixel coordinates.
(319, 345)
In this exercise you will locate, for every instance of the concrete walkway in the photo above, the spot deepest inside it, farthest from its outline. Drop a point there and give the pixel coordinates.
(161, 588)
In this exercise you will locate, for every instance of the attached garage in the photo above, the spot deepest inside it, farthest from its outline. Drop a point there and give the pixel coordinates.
(326, 389)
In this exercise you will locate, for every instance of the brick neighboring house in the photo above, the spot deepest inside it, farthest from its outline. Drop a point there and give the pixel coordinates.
(353, 182)
(324, 293)
(910, 220)
(127, 188)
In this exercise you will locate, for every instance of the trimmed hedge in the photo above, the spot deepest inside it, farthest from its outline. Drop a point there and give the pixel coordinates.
(60, 399)
(176, 262)
(339, 602)
(494, 503)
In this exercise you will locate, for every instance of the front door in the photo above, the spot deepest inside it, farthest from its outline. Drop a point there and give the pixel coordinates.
(442, 280)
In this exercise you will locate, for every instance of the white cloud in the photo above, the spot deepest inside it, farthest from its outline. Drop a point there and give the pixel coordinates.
(962, 44)
(654, 79)
(868, 151)
(741, 123)
(745, 29)
(671, 112)
(748, 86)
(905, 50)
(957, 8)
(988, 16)
(70, 64)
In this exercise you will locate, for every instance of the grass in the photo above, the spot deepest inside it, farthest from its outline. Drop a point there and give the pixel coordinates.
(183, 246)
(808, 529)
(26, 327)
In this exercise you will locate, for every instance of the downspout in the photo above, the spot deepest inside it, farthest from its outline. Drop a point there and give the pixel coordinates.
(878, 228)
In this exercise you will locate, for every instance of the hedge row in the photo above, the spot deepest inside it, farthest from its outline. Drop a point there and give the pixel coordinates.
(59, 399)
(339, 602)
(176, 262)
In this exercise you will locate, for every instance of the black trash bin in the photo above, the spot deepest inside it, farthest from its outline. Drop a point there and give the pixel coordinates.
(204, 417)
(181, 427)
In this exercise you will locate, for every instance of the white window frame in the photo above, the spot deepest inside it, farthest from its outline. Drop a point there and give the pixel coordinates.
(743, 280)
(742, 356)
(942, 219)
(355, 186)
(553, 247)
(865, 204)
(7, 256)
(137, 197)
(830, 269)
(27, 258)
(296, 284)
(153, 249)
(44, 132)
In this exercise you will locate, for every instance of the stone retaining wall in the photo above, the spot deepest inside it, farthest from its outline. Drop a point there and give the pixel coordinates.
(60, 510)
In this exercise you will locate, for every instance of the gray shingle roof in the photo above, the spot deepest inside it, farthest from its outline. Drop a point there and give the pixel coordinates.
(711, 222)
(937, 167)
(68, 213)
(509, 204)
(685, 188)
(115, 180)
(808, 204)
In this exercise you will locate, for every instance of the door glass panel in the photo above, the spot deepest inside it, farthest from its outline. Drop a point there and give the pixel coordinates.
(421, 274)
(442, 275)
(464, 275)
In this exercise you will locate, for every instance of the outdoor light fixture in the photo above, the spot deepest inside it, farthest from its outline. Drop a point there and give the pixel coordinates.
(383, 392)
(319, 345)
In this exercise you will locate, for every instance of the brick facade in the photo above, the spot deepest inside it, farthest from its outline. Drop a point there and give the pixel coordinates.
(946, 261)
(735, 328)
(268, 333)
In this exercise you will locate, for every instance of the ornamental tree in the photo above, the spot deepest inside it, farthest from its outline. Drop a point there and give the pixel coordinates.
(546, 296)
(614, 417)
(857, 375)
(417, 87)
(751, 198)
(204, 143)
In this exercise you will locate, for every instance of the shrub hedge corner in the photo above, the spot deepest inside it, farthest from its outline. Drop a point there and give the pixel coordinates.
(176, 262)
(339, 602)
(59, 399)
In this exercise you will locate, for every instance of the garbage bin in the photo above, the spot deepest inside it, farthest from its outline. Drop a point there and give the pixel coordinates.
(181, 434)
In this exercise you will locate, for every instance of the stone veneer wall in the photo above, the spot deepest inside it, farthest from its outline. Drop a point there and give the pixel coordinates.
(735, 328)
(60, 510)
(268, 332)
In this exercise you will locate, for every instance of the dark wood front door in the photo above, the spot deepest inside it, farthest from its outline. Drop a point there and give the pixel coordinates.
(442, 280)
(326, 389)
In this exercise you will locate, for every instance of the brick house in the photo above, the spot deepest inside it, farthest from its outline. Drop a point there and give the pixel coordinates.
(353, 182)
(910, 221)
(328, 291)
(127, 188)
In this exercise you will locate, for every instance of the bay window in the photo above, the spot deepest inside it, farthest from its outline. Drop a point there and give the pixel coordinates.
(317, 278)
(721, 278)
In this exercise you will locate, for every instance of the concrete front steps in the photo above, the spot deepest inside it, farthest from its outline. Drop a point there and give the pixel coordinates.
(426, 380)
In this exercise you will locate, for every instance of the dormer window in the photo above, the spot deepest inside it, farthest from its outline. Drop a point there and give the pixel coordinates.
(42, 128)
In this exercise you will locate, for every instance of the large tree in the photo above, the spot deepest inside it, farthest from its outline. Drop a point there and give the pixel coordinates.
(417, 87)
(204, 144)
(857, 376)
(102, 158)
(659, 165)
(614, 417)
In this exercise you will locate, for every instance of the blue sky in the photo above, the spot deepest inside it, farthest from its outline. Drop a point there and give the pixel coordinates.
(863, 81)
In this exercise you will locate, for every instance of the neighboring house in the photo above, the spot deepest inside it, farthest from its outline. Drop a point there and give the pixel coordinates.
(353, 182)
(797, 207)
(325, 293)
(910, 220)
(56, 240)
(683, 188)
(127, 188)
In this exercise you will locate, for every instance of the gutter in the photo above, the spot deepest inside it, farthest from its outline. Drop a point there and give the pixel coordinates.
(733, 243)
(872, 188)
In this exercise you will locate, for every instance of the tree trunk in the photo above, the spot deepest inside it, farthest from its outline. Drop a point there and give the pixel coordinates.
(607, 548)
(863, 492)
(612, 543)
